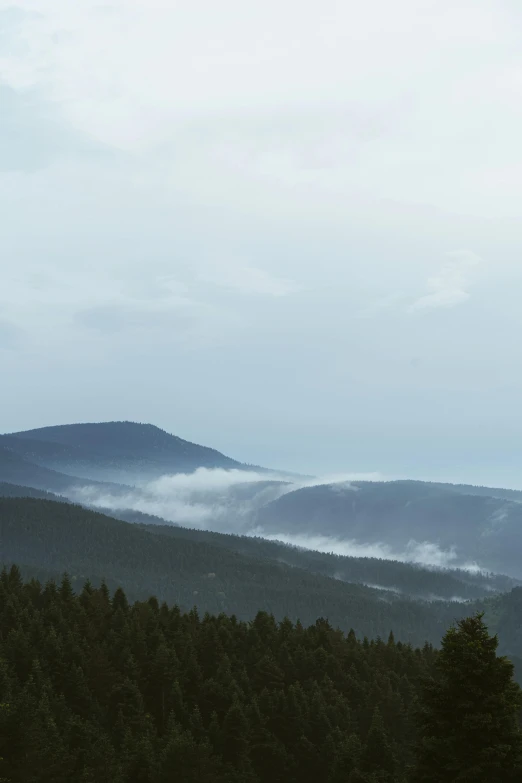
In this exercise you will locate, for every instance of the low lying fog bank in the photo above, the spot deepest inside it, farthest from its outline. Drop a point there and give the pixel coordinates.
(214, 499)
(227, 500)
(421, 553)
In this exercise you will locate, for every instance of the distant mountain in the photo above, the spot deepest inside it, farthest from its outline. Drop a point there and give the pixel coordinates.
(111, 464)
(482, 528)
(118, 451)
(19, 471)
(14, 469)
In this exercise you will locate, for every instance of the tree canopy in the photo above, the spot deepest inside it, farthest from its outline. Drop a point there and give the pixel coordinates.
(469, 719)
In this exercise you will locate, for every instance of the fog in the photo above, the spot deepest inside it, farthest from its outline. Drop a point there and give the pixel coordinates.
(226, 501)
(215, 499)
(423, 553)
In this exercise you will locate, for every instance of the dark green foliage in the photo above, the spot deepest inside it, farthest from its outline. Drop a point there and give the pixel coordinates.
(469, 727)
(19, 491)
(48, 538)
(406, 578)
(95, 690)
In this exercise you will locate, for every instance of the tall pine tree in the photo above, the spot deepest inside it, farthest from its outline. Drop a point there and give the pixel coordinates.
(468, 722)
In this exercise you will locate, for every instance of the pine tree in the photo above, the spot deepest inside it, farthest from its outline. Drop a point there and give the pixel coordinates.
(468, 723)
(235, 734)
(378, 755)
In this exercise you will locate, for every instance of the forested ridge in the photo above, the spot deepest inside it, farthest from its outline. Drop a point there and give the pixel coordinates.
(46, 538)
(406, 578)
(221, 573)
(98, 691)
(196, 684)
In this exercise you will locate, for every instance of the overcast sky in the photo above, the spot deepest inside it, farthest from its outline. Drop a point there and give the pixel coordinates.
(290, 230)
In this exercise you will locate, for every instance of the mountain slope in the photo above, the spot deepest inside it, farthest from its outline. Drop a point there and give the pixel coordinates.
(406, 579)
(56, 537)
(18, 491)
(16, 470)
(478, 527)
(111, 451)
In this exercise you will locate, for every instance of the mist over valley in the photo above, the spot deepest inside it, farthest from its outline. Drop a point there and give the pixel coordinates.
(164, 479)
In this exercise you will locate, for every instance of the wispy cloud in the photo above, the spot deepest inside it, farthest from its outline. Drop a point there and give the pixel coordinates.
(451, 286)
(425, 553)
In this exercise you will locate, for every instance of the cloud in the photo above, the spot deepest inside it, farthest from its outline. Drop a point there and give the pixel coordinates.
(33, 135)
(424, 553)
(224, 500)
(218, 499)
(64, 303)
(10, 336)
(250, 280)
(451, 286)
(227, 501)
(299, 142)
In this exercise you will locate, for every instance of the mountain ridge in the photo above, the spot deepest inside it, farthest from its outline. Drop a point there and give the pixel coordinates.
(114, 450)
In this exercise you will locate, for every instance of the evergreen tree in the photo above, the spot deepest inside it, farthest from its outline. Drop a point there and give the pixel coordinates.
(468, 724)
(101, 691)
(378, 755)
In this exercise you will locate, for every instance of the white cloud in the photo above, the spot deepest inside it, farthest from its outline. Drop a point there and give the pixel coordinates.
(220, 499)
(324, 101)
(424, 553)
(451, 286)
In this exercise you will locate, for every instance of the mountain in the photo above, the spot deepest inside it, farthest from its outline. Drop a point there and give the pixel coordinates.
(55, 537)
(18, 491)
(406, 579)
(112, 464)
(15, 469)
(117, 451)
(402, 514)
(19, 471)
(221, 573)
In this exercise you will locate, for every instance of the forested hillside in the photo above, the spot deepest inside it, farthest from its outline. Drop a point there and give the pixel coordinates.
(97, 691)
(48, 538)
(403, 578)
(19, 491)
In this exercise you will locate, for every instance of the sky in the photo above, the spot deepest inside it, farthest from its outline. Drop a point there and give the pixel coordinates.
(288, 230)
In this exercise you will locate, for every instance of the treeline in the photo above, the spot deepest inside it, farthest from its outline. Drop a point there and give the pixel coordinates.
(94, 690)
